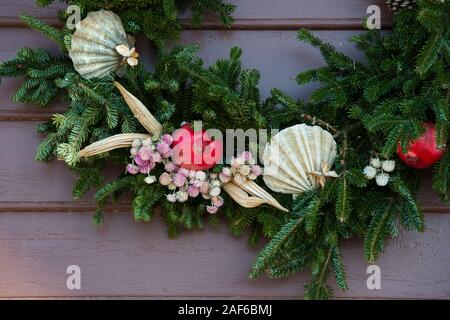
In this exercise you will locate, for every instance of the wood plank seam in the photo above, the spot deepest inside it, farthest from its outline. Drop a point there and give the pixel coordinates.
(125, 207)
(241, 24)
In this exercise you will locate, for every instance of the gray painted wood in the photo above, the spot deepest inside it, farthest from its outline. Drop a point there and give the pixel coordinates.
(263, 50)
(263, 11)
(42, 230)
(125, 258)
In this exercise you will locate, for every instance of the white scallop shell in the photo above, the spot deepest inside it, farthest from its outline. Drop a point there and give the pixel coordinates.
(293, 154)
(93, 47)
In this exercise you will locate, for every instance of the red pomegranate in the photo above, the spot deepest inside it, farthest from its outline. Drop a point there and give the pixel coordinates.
(423, 152)
(195, 150)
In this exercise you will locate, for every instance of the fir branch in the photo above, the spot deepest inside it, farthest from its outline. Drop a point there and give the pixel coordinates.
(343, 199)
(318, 288)
(52, 33)
(378, 231)
(412, 215)
(338, 268)
(266, 256)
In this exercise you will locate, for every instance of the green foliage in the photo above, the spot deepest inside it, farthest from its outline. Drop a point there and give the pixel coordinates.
(158, 20)
(144, 201)
(370, 107)
(52, 33)
(343, 199)
(222, 95)
(378, 231)
(89, 177)
(270, 253)
(40, 70)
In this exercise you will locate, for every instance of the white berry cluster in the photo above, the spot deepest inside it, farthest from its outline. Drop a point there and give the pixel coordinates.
(379, 170)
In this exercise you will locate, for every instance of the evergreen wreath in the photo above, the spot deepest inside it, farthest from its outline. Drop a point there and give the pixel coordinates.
(384, 118)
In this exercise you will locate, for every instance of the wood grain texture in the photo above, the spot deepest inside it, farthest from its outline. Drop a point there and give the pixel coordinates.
(260, 50)
(249, 15)
(125, 258)
(42, 230)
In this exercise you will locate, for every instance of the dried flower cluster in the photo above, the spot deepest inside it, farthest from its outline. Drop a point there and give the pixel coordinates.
(184, 183)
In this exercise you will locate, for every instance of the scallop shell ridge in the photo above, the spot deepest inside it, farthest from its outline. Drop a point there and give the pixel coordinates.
(293, 154)
(93, 45)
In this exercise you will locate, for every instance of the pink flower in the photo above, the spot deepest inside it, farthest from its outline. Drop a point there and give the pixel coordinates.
(193, 191)
(246, 156)
(256, 170)
(179, 180)
(224, 178)
(184, 172)
(132, 169)
(167, 138)
(167, 155)
(151, 164)
(146, 167)
(192, 174)
(204, 187)
(163, 149)
(144, 170)
(226, 171)
(165, 179)
(139, 161)
(217, 201)
(196, 183)
(170, 167)
(156, 157)
(145, 153)
(211, 209)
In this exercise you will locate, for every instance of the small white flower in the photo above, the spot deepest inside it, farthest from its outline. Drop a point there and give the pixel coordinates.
(388, 165)
(147, 142)
(200, 175)
(382, 179)
(370, 172)
(181, 196)
(171, 198)
(215, 192)
(133, 151)
(216, 183)
(136, 143)
(240, 161)
(244, 170)
(150, 179)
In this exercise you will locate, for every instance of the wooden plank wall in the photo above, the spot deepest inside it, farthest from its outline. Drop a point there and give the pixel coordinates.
(42, 230)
